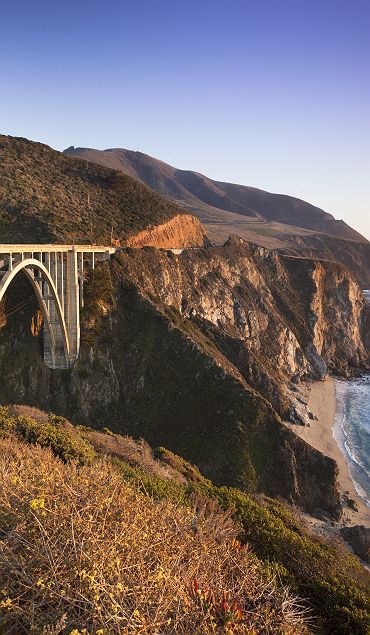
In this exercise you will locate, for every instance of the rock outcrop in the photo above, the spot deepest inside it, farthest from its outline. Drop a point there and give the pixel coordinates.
(354, 255)
(358, 537)
(277, 319)
(182, 231)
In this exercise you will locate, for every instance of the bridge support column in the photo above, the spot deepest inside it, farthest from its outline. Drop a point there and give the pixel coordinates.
(73, 305)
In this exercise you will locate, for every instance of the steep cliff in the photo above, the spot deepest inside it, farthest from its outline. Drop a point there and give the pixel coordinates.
(201, 352)
(149, 372)
(352, 254)
(296, 316)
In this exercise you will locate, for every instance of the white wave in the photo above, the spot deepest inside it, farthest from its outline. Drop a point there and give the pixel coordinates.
(357, 469)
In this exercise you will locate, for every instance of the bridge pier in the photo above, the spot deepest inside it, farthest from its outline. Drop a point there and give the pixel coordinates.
(56, 273)
(73, 303)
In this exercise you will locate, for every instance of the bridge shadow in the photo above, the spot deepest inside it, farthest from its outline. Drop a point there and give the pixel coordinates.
(21, 330)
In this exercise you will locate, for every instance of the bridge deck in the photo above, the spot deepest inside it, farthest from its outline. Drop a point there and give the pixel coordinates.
(28, 248)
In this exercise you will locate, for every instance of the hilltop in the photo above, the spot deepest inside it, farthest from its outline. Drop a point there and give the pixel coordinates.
(198, 192)
(47, 197)
(276, 221)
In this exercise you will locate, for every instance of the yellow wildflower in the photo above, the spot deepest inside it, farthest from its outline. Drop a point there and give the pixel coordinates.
(37, 503)
(6, 604)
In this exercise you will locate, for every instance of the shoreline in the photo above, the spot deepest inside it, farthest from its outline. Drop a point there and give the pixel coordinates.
(321, 400)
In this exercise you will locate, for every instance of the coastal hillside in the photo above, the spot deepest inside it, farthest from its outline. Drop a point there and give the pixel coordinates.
(275, 221)
(203, 353)
(183, 555)
(196, 190)
(47, 197)
(353, 255)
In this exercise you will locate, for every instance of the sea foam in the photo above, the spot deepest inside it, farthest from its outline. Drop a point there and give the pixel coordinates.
(352, 430)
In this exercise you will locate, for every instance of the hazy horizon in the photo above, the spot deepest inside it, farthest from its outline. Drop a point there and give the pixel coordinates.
(274, 96)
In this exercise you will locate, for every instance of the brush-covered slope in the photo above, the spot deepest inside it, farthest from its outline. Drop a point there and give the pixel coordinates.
(276, 221)
(46, 196)
(120, 536)
(105, 558)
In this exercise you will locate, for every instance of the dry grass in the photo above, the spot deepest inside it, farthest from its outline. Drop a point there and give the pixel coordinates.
(136, 453)
(20, 410)
(81, 549)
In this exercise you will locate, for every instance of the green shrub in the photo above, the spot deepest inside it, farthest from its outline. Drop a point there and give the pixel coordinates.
(56, 433)
(179, 464)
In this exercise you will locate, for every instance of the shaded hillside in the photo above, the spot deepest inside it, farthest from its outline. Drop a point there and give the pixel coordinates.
(207, 197)
(148, 377)
(46, 196)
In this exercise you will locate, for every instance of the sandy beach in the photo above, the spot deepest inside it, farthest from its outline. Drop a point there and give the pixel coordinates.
(321, 402)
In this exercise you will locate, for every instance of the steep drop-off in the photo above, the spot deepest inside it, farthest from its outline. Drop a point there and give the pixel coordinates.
(352, 254)
(296, 316)
(202, 353)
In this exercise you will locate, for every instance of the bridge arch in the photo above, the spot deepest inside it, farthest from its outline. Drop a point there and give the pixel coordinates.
(56, 330)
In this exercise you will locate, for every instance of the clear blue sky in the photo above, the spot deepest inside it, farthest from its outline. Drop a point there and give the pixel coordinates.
(269, 93)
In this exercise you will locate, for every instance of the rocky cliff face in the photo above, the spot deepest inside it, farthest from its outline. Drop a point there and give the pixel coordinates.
(277, 319)
(147, 371)
(352, 254)
(182, 231)
(202, 352)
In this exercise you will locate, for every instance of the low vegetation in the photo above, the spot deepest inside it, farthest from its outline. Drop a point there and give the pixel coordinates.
(83, 551)
(121, 539)
(54, 432)
(47, 196)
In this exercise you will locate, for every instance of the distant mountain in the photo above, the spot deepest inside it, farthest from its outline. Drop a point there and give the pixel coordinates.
(46, 196)
(276, 221)
(213, 201)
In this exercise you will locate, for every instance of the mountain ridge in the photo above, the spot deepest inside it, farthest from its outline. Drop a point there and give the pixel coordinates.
(192, 188)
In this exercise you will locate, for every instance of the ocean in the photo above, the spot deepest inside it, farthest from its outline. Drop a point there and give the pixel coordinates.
(352, 428)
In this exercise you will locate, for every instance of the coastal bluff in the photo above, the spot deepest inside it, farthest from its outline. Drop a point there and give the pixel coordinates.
(203, 353)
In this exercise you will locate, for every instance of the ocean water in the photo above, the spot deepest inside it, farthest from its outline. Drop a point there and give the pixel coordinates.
(352, 428)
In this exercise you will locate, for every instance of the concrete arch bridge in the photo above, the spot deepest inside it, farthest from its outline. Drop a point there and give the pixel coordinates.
(56, 273)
